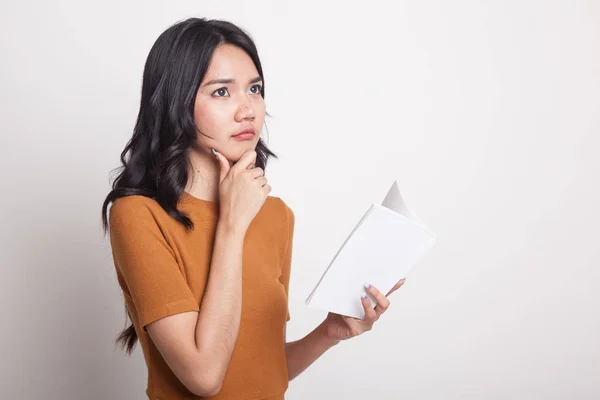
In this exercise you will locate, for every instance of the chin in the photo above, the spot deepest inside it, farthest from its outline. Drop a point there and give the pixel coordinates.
(234, 153)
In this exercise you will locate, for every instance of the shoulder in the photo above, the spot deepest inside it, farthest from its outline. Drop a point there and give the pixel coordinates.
(279, 206)
(134, 209)
(283, 213)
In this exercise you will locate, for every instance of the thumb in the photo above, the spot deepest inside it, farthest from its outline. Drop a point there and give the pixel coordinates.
(224, 163)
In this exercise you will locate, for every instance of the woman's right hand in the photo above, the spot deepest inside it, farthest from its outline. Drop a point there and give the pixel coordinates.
(242, 191)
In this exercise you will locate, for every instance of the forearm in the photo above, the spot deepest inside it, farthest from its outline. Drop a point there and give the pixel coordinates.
(220, 313)
(302, 353)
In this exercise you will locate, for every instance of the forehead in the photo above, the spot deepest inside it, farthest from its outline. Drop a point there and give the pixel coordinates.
(229, 61)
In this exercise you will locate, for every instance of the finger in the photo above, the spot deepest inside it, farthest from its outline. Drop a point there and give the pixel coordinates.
(246, 160)
(223, 163)
(261, 181)
(256, 172)
(382, 302)
(267, 189)
(370, 314)
(396, 286)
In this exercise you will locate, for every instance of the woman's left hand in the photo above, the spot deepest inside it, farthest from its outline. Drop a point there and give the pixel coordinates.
(340, 327)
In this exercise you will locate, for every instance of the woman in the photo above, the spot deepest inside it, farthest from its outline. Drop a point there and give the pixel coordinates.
(202, 252)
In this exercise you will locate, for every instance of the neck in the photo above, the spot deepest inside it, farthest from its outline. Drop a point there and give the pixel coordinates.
(203, 177)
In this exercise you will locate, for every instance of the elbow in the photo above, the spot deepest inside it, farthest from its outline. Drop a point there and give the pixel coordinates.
(204, 386)
(208, 375)
(215, 390)
(206, 390)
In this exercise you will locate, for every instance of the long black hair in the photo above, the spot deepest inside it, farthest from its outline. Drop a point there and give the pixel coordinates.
(155, 161)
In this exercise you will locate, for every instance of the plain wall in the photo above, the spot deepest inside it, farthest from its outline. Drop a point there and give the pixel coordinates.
(487, 114)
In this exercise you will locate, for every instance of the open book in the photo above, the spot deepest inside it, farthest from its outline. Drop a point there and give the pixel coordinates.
(385, 244)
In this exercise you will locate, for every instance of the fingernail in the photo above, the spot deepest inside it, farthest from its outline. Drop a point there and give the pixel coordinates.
(368, 286)
(364, 296)
(214, 152)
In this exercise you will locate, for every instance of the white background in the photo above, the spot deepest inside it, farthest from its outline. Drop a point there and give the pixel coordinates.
(487, 113)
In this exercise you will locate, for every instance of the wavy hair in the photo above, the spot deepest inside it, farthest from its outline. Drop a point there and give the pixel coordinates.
(155, 161)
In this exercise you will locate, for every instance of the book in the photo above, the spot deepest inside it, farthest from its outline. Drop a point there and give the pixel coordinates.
(384, 245)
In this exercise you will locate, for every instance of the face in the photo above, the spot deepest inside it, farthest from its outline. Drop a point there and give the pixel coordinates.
(230, 105)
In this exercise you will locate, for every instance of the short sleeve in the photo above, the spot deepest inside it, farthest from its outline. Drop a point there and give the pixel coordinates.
(150, 273)
(287, 254)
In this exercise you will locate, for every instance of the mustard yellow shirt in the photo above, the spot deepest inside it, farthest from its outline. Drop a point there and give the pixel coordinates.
(163, 270)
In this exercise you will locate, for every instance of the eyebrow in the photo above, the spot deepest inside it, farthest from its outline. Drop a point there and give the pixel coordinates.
(214, 81)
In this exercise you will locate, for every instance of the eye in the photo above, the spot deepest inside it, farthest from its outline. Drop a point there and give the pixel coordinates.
(220, 91)
(259, 89)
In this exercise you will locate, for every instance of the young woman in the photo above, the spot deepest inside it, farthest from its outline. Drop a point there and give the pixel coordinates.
(202, 252)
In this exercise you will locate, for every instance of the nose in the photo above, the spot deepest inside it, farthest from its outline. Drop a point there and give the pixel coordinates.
(245, 111)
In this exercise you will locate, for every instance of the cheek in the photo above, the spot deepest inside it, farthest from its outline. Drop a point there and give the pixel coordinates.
(208, 119)
(260, 110)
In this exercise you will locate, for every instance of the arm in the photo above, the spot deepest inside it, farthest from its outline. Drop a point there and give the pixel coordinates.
(332, 330)
(198, 346)
(302, 353)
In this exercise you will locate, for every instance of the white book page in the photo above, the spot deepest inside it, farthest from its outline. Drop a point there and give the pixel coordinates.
(381, 249)
(338, 252)
(394, 201)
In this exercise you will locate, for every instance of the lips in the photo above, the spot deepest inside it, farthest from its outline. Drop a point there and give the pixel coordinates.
(244, 131)
(247, 133)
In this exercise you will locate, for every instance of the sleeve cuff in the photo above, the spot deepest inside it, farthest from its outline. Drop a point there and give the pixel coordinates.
(177, 307)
